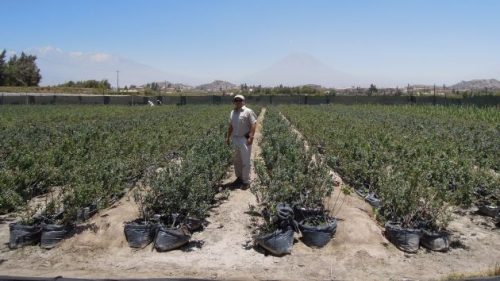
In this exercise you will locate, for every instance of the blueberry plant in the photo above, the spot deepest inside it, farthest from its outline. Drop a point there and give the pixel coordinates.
(93, 152)
(287, 171)
(417, 159)
(188, 188)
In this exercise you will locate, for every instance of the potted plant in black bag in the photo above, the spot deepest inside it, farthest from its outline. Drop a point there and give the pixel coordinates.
(140, 232)
(27, 231)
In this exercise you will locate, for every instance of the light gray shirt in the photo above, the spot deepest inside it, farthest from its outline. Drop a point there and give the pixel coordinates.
(242, 120)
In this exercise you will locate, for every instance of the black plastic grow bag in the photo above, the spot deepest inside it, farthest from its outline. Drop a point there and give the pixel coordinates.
(360, 192)
(488, 210)
(22, 235)
(85, 213)
(318, 236)
(284, 212)
(405, 239)
(278, 243)
(193, 224)
(435, 241)
(139, 235)
(170, 238)
(53, 234)
(372, 199)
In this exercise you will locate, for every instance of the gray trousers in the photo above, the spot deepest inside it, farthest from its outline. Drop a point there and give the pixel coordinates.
(241, 159)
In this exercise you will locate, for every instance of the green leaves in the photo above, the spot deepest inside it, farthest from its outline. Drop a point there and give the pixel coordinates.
(94, 152)
(288, 173)
(189, 187)
(19, 70)
(416, 158)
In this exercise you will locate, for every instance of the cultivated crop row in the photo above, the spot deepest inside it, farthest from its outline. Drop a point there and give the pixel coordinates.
(90, 154)
(411, 161)
(180, 193)
(292, 188)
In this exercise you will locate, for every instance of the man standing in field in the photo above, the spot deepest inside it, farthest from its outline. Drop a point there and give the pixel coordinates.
(242, 123)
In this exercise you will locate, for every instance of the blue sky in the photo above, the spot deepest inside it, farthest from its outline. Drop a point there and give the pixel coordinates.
(400, 41)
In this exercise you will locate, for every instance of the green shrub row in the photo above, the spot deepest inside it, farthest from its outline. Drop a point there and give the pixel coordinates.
(188, 186)
(91, 152)
(417, 159)
(287, 171)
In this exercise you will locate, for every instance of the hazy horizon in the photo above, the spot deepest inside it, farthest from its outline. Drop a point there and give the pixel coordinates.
(332, 43)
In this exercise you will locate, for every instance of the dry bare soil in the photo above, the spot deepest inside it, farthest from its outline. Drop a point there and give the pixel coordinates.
(224, 249)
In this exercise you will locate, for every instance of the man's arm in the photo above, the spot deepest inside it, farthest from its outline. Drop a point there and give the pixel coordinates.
(252, 133)
(229, 132)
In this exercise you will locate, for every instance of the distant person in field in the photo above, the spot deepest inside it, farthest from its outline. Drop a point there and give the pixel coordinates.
(240, 134)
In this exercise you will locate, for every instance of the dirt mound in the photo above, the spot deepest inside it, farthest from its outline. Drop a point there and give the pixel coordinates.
(105, 230)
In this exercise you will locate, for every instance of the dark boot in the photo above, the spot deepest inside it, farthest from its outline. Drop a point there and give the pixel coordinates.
(236, 182)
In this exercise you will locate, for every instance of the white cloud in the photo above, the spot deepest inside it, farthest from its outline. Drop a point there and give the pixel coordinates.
(100, 57)
(48, 49)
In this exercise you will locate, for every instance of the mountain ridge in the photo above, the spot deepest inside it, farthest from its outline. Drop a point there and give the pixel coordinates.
(217, 85)
(299, 69)
(477, 84)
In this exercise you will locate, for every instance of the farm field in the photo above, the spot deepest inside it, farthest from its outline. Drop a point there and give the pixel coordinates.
(418, 160)
(429, 167)
(92, 153)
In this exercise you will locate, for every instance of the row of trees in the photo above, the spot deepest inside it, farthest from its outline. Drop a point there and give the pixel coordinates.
(103, 84)
(281, 90)
(19, 70)
(299, 90)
